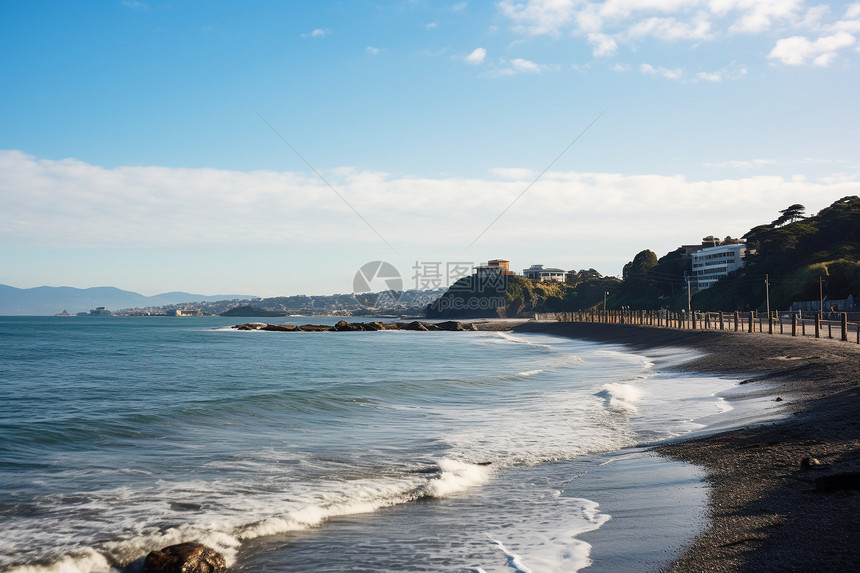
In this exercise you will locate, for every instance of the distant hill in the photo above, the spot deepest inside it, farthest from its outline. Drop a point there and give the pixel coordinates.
(45, 300)
(516, 296)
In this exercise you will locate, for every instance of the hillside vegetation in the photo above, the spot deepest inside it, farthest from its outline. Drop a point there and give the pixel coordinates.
(797, 254)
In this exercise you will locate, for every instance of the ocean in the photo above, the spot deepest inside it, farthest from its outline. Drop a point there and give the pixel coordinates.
(353, 451)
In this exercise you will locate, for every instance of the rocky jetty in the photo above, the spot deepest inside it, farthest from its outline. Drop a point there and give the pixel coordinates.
(344, 326)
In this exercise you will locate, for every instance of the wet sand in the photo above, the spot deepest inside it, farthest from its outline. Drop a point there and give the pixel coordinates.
(765, 512)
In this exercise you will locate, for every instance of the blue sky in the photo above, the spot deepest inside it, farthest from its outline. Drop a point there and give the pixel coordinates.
(146, 145)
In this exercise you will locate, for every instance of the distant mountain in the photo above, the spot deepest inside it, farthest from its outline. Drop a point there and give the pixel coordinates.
(47, 300)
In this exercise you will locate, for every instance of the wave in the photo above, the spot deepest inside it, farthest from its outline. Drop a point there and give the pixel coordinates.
(621, 397)
(226, 530)
(530, 372)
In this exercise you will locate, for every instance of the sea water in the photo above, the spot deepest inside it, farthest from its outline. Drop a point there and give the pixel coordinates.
(365, 451)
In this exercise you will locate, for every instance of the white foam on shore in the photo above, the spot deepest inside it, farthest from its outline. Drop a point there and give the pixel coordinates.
(622, 396)
(550, 545)
(87, 561)
(456, 477)
(515, 562)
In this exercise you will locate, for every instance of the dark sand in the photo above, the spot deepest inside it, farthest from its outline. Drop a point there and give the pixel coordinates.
(765, 512)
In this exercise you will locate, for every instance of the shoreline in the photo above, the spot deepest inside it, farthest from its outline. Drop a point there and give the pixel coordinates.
(764, 511)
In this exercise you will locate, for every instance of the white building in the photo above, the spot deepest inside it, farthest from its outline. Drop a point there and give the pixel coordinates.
(713, 263)
(539, 273)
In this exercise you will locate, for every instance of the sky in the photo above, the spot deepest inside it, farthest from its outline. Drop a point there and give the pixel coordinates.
(273, 148)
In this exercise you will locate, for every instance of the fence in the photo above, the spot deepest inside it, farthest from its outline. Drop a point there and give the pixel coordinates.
(830, 325)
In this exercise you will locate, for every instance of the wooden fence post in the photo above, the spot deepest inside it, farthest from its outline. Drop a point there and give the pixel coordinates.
(817, 325)
(844, 327)
(751, 322)
(794, 325)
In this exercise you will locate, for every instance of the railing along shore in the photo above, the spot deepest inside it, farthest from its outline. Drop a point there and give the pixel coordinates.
(828, 325)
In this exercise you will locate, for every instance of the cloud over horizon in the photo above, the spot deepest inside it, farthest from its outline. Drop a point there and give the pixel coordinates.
(69, 203)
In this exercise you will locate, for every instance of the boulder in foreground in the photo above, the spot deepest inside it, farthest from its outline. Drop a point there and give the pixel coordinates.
(185, 558)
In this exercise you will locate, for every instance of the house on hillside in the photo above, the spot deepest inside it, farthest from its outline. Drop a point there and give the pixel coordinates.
(541, 273)
(494, 267)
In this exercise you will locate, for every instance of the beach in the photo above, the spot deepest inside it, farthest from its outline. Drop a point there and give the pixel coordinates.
(765, 513)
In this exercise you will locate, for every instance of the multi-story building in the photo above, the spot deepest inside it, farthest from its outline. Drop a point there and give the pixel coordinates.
(713, 263)
(541, 273)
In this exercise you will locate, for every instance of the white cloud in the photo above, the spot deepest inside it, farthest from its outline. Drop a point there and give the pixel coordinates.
(709, 76)
(609, 25)
(135, 5)
(603, 45)
(799, 50)
(670, 29)
(523, 65)
(317, 33)
(728, 73)
(371, 50)
(669, 74)
(539, 17)
(458, 7)
(757, 16)
(69, 203)
(431, 25)
(476, 57)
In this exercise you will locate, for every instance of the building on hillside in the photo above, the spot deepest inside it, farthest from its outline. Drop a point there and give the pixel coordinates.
(713, 263)
(494, 267)
(100, 311)
(707, 242)
(541, 273)
(188, 311)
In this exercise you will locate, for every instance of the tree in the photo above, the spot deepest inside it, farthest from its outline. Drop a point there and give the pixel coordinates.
(638, 268)
(790, 214)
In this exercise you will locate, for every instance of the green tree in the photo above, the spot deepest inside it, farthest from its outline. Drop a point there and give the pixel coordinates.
(790, 214)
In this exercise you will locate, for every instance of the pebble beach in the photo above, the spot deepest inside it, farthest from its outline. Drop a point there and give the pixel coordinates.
(775, 504)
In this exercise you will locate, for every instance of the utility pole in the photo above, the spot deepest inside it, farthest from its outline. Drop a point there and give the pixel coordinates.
(605, 293)
(689, 308)
(767, 297)
(767, 292)
(821, 295)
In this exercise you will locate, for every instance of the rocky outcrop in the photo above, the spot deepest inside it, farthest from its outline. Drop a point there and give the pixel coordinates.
(280, 327)
(315, 328)
(185, 558)
(344, 326)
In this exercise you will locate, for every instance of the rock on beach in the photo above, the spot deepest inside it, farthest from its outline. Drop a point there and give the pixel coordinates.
(185, 558)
